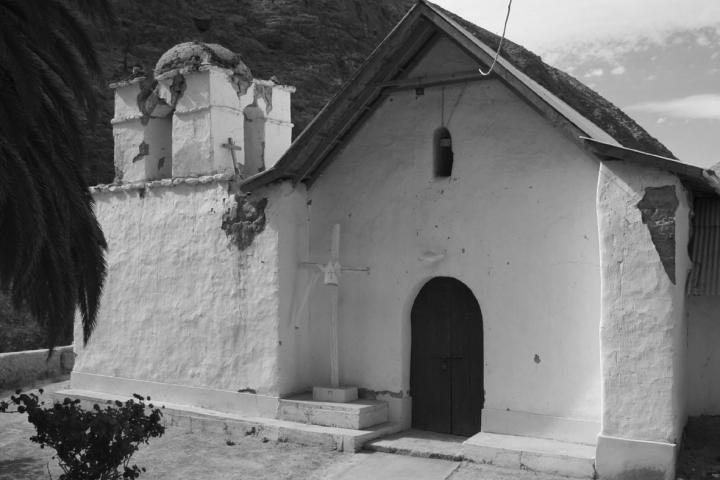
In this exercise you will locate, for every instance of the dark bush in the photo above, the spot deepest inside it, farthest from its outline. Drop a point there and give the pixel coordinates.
(91, 444)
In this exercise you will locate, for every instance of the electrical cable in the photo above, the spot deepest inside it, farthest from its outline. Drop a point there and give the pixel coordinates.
(457, 102)
(502, 39)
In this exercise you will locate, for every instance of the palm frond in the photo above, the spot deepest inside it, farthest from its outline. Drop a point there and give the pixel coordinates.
(51, 245)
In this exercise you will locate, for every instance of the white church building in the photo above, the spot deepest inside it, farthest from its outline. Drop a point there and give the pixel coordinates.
(481, 256)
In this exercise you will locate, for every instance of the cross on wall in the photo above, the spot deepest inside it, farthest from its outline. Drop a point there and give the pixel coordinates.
(332, 274)
(230, 145)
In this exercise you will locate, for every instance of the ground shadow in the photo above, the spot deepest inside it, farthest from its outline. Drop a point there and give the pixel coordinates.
(23, 468)
(700, 454)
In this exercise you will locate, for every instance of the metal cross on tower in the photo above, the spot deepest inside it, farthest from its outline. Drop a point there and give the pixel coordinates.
(230, 145)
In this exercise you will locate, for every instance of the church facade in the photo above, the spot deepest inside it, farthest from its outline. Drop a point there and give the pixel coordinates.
(480, 254)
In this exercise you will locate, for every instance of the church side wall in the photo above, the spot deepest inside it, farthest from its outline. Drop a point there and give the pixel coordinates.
(703, 369)
(516, 222)
(644, 224)
(187, 313)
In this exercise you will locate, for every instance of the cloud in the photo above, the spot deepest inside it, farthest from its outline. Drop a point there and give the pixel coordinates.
(705, 107)
(677, 40)
(702, 40)
(614, 50)
(550, 24)
(619, 70)
(595, 72)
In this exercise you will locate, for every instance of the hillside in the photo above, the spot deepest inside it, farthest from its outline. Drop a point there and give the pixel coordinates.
(314, 45)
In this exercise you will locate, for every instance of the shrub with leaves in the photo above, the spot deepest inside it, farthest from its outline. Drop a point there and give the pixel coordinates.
(91, 444)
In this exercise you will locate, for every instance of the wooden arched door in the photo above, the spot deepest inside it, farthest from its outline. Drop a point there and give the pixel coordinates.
(446, 366)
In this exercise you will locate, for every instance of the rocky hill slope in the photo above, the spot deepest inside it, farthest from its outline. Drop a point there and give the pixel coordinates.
(314, 45)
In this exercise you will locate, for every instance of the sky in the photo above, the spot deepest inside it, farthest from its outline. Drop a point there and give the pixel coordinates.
(658, 60)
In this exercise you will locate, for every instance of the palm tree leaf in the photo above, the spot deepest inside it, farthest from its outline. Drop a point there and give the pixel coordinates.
(72, 28)
(51, 246)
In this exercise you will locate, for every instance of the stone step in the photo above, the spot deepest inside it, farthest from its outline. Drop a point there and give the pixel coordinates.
(356, 415)
(420, 443)
(559, 459)
(541, 455)
(233, 426)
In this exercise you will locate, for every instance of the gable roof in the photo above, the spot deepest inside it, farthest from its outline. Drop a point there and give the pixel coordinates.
(562, 99)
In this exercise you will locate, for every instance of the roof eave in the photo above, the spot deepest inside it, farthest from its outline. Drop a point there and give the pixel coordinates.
(262, 179)
(697, 179)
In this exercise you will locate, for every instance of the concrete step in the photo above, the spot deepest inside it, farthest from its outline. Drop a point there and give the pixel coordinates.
(420, 443)
(355, 415)
(537, 454)
(559, 459)
(233, 426)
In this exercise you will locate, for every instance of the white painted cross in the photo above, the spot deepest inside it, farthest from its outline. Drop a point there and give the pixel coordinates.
(332, 272)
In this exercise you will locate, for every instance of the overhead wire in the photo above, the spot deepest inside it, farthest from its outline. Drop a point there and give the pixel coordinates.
(502, 39)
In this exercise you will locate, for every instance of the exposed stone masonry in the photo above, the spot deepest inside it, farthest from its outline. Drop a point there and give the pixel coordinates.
(658, 213)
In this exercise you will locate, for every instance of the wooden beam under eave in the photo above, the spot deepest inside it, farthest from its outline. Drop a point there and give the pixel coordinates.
(426, 81)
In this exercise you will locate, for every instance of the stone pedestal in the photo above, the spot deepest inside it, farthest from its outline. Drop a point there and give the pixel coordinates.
(335, 394)
(355, 415)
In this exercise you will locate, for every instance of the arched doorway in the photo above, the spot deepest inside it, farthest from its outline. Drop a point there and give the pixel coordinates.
(446, 358)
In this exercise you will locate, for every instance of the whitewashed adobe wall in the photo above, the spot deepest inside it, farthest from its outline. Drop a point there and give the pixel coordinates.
(643, 217)
(516, 222)
(191, 311)
(183, 305)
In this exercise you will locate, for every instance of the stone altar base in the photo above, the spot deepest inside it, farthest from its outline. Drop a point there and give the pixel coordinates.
(356, 414)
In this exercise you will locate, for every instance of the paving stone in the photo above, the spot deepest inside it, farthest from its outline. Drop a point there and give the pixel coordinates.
(370, 465)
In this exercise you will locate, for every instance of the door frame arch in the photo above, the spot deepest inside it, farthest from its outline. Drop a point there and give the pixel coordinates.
(474, 354)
